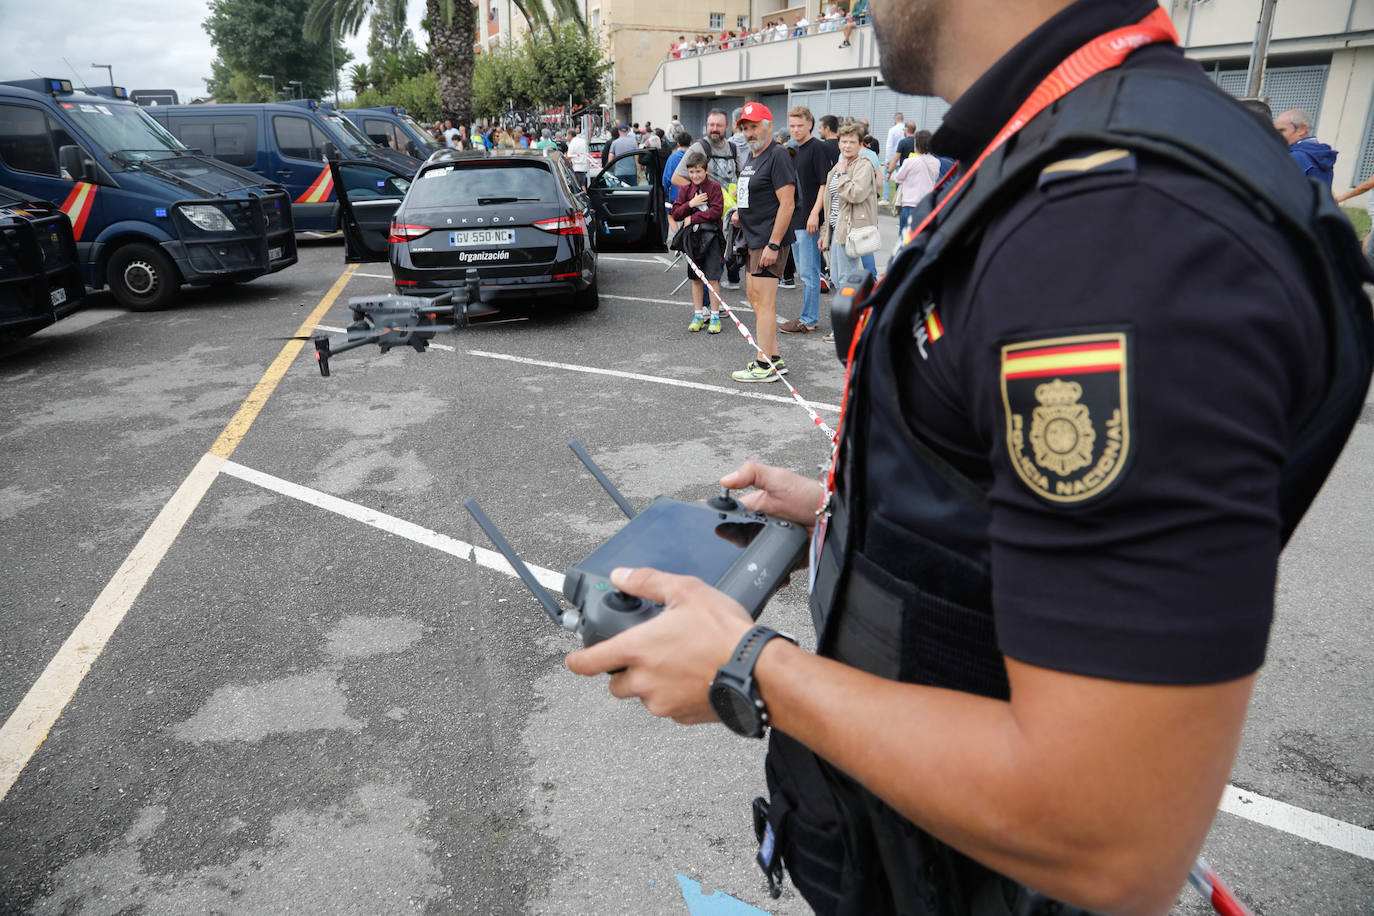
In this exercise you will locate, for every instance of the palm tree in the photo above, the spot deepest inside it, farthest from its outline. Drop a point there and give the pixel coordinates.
(452, 32)
(360, 77)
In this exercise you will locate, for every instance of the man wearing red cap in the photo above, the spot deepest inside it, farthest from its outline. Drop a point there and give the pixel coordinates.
(766, 201)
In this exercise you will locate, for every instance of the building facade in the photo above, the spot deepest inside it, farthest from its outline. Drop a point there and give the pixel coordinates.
(1321, 59)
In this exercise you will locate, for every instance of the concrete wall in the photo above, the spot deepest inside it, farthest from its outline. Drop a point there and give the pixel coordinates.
(1346, 106)
(1232, 22)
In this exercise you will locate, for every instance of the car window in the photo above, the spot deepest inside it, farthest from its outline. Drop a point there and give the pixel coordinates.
(230, 138)
(484, 182)
(361, 181)
(298, 138)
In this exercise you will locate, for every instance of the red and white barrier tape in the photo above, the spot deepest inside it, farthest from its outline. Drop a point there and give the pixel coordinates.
(739, 325)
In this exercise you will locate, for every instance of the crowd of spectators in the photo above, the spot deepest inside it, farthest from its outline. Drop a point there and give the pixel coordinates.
(834, 20)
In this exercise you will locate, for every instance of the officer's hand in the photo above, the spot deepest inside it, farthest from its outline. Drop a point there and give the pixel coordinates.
(734, 219)
(669, 661)
(779, 492)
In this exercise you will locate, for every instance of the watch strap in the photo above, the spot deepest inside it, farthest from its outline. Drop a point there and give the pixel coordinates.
(746, 654)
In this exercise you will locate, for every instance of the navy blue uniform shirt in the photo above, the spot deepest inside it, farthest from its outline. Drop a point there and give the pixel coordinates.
(1154, 563)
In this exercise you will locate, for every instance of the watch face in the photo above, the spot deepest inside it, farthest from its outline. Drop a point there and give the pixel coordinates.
(735, 709)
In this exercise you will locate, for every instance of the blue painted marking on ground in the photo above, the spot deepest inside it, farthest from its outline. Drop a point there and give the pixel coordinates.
(714, 904)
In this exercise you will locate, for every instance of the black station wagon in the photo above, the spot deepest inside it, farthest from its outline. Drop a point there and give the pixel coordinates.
(515, 216)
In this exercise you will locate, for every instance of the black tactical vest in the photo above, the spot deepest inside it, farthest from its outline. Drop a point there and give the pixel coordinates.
(903, 585)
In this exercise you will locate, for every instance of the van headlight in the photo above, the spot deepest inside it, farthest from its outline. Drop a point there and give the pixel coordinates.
(206, 218)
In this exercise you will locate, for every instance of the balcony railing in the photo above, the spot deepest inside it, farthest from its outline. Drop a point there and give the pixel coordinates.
(765, 36)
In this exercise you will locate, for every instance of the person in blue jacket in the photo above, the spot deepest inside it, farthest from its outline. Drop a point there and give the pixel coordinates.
(1312, 156)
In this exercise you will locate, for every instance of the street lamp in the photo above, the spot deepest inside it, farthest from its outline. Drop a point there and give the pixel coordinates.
(107, 68)
(268, 76)
(299, 90)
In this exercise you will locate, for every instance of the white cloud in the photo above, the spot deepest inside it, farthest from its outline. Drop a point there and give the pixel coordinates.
(151, 44)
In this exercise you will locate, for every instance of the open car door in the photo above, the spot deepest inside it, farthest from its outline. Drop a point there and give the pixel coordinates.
(369, 193)
(628, 199)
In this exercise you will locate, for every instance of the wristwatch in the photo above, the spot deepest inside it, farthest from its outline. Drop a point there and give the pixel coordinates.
(775, 246)
(734, 695)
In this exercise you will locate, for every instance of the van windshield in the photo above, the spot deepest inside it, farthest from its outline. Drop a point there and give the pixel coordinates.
(342, 132)
(421, 136)
(119, 126)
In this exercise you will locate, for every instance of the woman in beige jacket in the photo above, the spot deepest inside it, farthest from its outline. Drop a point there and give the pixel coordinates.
(848, 202)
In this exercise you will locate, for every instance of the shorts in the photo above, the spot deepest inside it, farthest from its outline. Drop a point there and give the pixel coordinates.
(774, 270)
(711, 259)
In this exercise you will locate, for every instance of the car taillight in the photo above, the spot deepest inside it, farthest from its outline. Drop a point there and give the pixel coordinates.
(573, 224)
(404, 232)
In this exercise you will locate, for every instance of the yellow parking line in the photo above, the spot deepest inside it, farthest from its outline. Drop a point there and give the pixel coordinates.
(28, 726)
(248, 412)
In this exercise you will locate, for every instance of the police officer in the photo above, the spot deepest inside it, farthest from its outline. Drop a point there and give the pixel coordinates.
(1087, 405)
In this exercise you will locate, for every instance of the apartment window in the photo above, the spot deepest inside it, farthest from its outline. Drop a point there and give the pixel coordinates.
(717, 21)
(742, 22)
(596, 20)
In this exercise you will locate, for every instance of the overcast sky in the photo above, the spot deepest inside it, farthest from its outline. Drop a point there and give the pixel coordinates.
(152, 44)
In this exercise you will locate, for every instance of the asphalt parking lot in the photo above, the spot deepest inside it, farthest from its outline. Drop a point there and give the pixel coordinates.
(312, 699)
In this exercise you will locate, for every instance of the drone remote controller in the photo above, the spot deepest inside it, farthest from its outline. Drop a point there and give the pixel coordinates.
(743, 553)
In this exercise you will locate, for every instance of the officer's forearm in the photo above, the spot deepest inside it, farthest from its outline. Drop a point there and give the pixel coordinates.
(1069, 797)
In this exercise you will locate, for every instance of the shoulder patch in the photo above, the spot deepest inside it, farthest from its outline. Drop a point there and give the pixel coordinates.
(1098, 163)
(1067, 400)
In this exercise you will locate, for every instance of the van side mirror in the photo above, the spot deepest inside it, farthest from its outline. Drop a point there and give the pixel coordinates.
(76, 163)
(412, 150)
(331, 152)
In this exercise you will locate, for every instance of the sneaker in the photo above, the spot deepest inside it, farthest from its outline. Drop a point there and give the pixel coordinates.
(829, 338)
(698, 322)
(726, 284)
(714, 326)
(756, 373)
(787, 284)
(794, 326)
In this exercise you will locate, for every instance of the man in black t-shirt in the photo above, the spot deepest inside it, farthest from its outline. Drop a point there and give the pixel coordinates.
(829, 131)
(765, 205)
(813, 161)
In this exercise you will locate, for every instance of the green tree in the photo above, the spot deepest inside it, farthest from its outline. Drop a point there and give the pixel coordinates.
(418, 95)
(388, 32)
(264, 36)
(569, 63)
(543, 71)
(452, 27)
(360, 78)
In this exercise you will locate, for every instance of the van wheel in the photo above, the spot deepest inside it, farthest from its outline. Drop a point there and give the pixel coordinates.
(142, 278)
(588, 300)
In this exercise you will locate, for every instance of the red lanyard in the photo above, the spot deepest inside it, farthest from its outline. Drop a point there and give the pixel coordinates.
(1103, 53)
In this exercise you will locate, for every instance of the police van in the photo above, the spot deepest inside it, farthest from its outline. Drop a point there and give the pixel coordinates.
(391, 127)
(146, 214)
(290, 143)
(40, 276)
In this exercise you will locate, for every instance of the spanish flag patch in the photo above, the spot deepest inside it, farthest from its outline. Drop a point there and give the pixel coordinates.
(1067, 402)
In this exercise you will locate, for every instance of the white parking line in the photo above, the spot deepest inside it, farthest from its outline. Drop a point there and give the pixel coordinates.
(1267, 812)
(82, 320)
(374, 276)
(488, 559)
(656, 379)
(1299, 822)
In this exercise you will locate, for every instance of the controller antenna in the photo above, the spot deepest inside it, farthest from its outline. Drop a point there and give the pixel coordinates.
(601, 478)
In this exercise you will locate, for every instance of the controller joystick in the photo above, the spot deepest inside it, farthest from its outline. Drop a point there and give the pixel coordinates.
(620, 601)
(724, 502)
